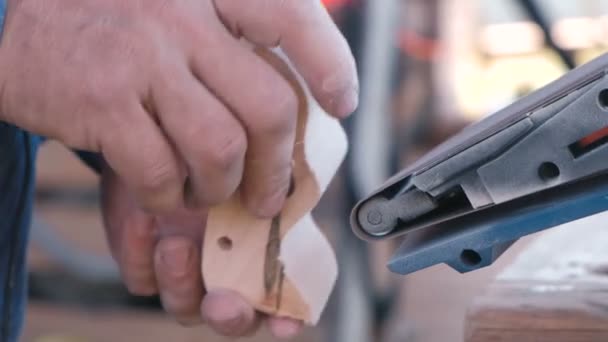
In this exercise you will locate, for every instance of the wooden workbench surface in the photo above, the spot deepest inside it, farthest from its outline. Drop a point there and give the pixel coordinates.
(556, 290)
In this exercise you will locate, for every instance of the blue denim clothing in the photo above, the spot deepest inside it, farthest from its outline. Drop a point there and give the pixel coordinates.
(17, 155)
(17, 166)
(18, 151)
(2, 14)
(17, 161)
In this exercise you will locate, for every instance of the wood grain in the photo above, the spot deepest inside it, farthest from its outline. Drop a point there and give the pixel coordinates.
(282, 266)
(557, 290)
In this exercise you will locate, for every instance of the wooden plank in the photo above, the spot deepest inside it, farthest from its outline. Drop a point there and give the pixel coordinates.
(283, 266)
(556, 290)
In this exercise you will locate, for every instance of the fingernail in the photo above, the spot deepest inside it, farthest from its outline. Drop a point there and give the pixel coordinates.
(221, 310)
(176, 257)
(228, 326)
(228, 320)
(286, 330)
(348, 103)
(233, 322)
(189, 321)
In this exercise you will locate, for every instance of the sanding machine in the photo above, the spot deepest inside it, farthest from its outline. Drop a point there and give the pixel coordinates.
(536, 164)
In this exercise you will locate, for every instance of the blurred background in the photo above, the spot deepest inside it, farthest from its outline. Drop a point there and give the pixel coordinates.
(428, 68)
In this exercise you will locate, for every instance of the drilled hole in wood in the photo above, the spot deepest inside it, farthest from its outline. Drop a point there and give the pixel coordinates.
(225, 243)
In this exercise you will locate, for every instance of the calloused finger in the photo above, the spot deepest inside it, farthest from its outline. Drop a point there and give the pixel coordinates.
(131, 236)
(177, 261)
(266, 104)
(210, 140)
(307, 34)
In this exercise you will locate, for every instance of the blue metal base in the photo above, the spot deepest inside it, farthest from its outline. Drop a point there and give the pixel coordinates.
(477, 240)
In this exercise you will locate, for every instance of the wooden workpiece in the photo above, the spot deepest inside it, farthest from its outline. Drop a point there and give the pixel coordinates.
(283, 266)
(556, 290)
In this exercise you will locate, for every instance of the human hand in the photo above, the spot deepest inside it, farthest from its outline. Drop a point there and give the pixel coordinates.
(179, 108)
(162, 255)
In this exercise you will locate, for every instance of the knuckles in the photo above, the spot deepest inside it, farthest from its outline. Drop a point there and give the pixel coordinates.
(226, 159)
(278, 109)
(229, 149)
(160, 175)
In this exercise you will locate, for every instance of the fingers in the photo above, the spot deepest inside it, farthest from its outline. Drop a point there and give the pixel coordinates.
(312, 41)
(135, 256)
(155, 254)
(177, 261)
(135, 148)
(227, 313)
(266, 105)
(171, 267)
(131, 235)
(284, 328)
(210, 140)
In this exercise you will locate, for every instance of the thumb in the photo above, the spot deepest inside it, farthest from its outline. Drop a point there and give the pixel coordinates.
(229, 314)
